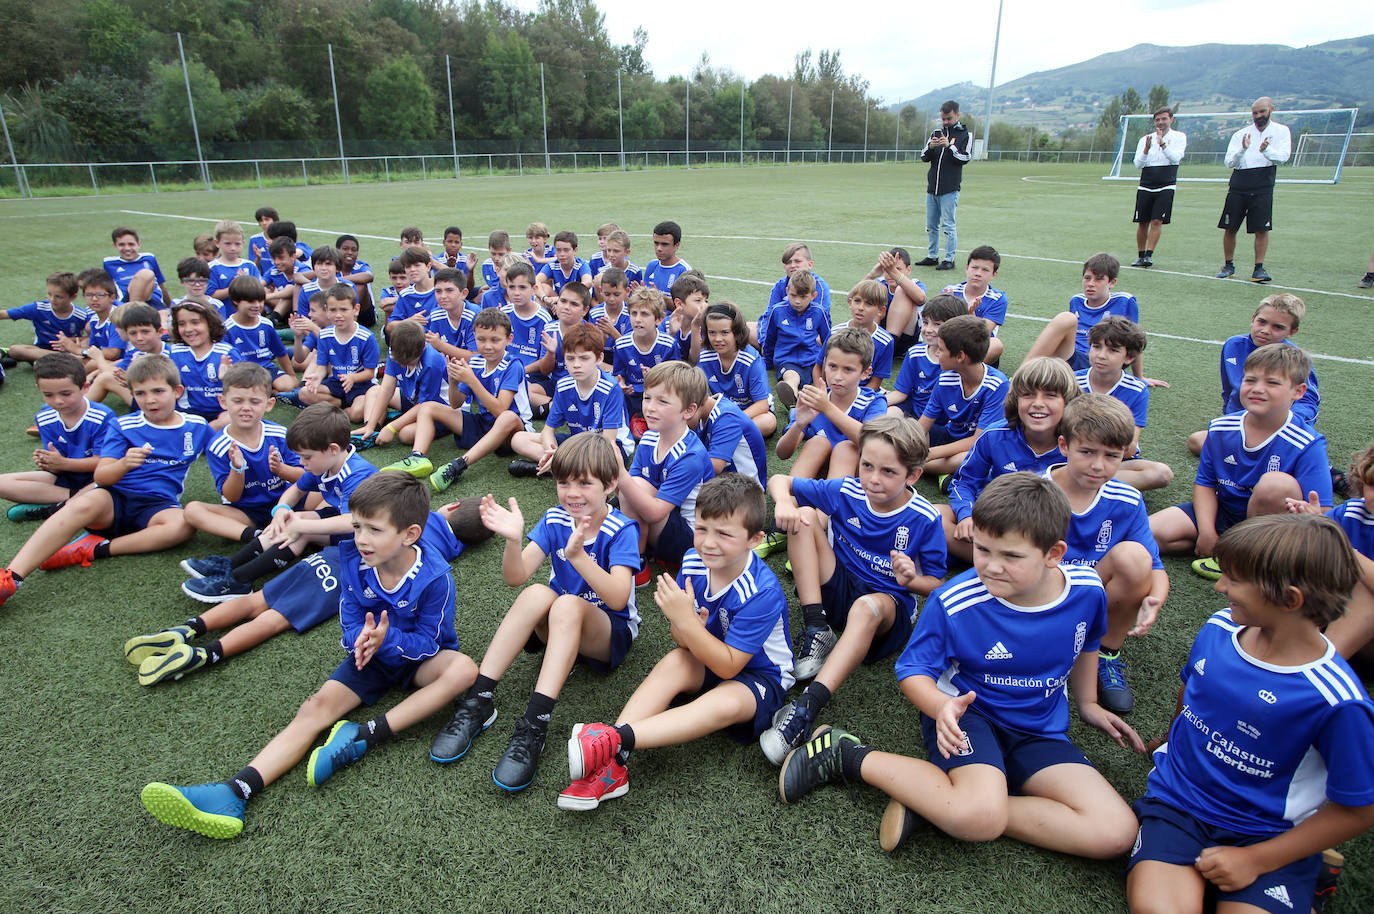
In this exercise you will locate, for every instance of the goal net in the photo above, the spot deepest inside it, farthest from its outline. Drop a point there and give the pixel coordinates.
(1315, 161)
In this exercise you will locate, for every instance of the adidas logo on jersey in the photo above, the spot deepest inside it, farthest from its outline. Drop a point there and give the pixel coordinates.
(1230, 360)
(998, 652)
(1199, 666)
(953, 408)
(1230, 459)
(856, 522)
(1009, 467)
(1280, 894)
(763, 693)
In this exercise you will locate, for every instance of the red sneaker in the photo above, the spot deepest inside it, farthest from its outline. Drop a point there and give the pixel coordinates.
(587, 793)
(31, 431)
(638, 427)
(643, 576)
(7, 586)
(80, 551)
(591, 748)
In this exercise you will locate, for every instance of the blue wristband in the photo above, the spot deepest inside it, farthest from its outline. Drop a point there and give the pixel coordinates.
(276, 508)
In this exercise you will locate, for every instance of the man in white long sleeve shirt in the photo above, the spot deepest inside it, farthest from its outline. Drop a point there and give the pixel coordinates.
(1253, 155)
(1157, 156)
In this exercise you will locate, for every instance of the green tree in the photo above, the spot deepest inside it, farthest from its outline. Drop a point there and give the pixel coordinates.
(40, 132)
(216, 111)
(273, 111)
(510, 87)
(1159, 97)
(397, 103)
(103, 107)
(1131, 103)
(113, 37)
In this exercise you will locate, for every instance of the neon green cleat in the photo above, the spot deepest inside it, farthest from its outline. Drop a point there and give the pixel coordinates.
(772, 542)
(140, 647)
(212, 810)
(416, 465)
(1207, 568)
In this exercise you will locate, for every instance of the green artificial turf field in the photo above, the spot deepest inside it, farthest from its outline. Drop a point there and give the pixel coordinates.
(702, 828)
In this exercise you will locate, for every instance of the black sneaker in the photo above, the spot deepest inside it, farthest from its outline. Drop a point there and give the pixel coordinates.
(1227, 270)
(523, 468)
(791, 726)
(1260, 274)
(1340, 483)
(926, 262)
(1367, 282)
(945, 265)
(210, 566)
(516, 769)
(1140, 261)
(813, 763)
(1113, 692)
(472, 717)
(1333, 861)
(899, 824)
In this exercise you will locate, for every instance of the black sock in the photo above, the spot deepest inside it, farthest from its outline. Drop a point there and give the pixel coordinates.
(251, 550)
(102, 551)
(483, 687)
(1259, 264)
(16, 578)
(197, 625)
(627, 743)
(214, 652)
(815, 696)
(375, 731)
(246, 783)
(1142, 253)
(247, 535)
(272, 560)
(1150, 253)
(539, 710)
(1368, 276)
(852, 759)
(813, 615)
(1230, 263)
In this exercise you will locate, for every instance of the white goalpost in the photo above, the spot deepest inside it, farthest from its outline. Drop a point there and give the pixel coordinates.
(1321, 144)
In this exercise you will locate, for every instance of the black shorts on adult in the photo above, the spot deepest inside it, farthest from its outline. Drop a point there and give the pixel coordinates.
(1153, 204)
(1257, 209)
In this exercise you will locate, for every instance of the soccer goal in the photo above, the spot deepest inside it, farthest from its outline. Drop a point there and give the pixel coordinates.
(1314, 161)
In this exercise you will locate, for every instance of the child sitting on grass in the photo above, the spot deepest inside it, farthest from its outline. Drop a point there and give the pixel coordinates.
(828, 420)
(733, 367)
(396, 608)
(586, 610)
(728, 615)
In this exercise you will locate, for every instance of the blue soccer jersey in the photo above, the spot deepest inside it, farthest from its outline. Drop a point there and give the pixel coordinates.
(261, 487)
(1016, 658)
(338, 487)
(131, 353)
(633, 274)
(275, 278)
(868, 404)
(662, 277)
(1231, 468)
(258, 343)
(631, 362)
(882, 350)
(310, 288)
(494, 297)
(601, 409)
(553, 271)
(1122, 304)
(891, 295)
(221, 274)
(104, 334)
(676, 471)
(78, 442)
(412, 302)
(744, 381)
(621, 323)
(864, 540)
(731, 436)
(419, 609)
(358, 352)
(1130, 390)
(46, 322)
(996, 452)
(1234, 352)
(1358, 523)
(960, 415)
(426, 381)
(508, 374)
(172, 450)
(460, 335)
(200, 376)
(748, 614)
(491, 274)
(794, 338)
(527, 344)
(616, 543)
(1117, 515)
(778, 295)
(123, 271)
(917, 377)
(257, 252)
(1257, 748)
(991, 307)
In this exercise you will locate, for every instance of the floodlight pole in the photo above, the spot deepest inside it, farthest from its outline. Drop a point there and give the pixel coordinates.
(741, 123)
(687, 128)
(186, 75)
(992, 80)
(452, 128)
(18, 172)
(830, 143)
(620, 110)
(867, 107)
(544, 107)
(338, 124)
(789, 123)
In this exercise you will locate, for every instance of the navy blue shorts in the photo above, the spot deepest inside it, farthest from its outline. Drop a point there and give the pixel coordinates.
(803, 371)
(259, 516)
(1225, 519)
(335, 388)
(1170, 835)
(1017, 755)
(72, 482)
(1079, 361)
(940, 434)
(307, 593)
(542, 381)
(376, 679)
(133, 513)
(634, 404)
(475, 428)
(768, 697)
(909, 408)
(840, 593)
(621, 640)
(674, 539)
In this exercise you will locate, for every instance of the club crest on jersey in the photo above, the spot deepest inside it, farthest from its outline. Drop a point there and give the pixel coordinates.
(739, 383)
(808, 323)
(1267, 696)
(1080, 635)
(902, 540)
(1274, 463)
(1104, 536)
(188, 444)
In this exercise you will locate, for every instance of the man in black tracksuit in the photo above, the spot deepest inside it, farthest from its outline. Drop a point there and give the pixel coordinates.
(947, 150)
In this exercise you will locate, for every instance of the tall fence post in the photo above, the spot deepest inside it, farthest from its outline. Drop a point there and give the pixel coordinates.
(830, 143)
(544, 107)
(338, 124)
(452, 128)
(789, 124)
(741, 123)
(687, 130)
(620, 110)
(18, 172)
(186, 75)
(867, 108)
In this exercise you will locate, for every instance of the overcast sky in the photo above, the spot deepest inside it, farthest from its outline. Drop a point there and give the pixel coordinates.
(904, 52)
